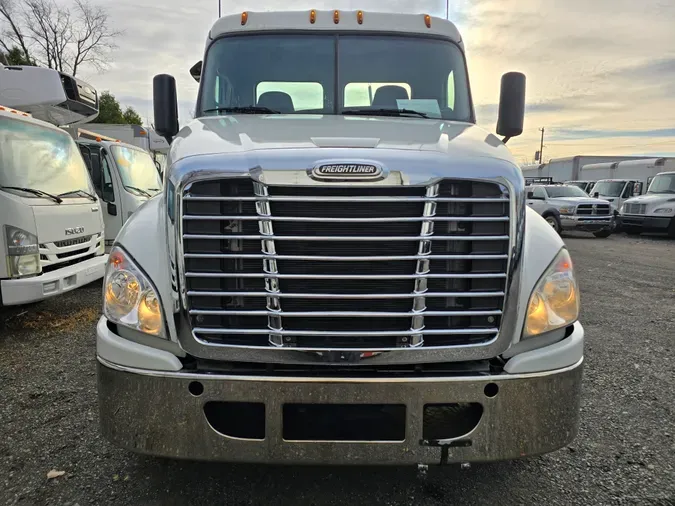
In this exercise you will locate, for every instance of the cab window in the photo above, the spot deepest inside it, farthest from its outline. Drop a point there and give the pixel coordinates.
(539, 193)
(304, 96)
(361, 94)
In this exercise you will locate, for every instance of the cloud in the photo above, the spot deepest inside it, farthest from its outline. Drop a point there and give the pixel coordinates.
(604, 69)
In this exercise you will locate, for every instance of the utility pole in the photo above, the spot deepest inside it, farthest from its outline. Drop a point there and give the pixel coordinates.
(219, 12)
(541, 149)
(447, 9)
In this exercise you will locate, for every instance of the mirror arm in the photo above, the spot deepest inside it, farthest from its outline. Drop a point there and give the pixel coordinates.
(506, 139)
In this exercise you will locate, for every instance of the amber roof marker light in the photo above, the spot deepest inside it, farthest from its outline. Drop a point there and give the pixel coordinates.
(312, 16)
(244, 18)
(359, 17)
(427, 20)
(336, 17)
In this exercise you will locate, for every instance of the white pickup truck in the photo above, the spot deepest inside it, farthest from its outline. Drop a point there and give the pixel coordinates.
(341, 267)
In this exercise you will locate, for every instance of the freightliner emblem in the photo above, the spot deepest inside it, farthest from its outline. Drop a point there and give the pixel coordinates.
(347, 171)
(75, 231)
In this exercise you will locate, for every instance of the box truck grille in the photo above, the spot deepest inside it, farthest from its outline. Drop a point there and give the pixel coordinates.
(636, 209)
(593, 209)
(362, 267)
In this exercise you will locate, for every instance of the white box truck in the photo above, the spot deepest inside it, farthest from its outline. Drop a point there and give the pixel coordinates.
(654, 211)
(390, 300)
(51, 235)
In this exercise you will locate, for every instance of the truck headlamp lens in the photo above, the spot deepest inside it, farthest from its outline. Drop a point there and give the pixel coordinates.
(23, 254)
(555, 300)
(567, 210)
(664, 210)
(129, 297)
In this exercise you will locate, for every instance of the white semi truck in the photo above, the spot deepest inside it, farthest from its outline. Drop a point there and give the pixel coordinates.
(52, 225)
(330, 277)
(654, 211)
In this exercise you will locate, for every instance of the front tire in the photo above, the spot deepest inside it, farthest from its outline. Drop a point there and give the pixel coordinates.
(554, 222)
(671, 228)
(602, 234)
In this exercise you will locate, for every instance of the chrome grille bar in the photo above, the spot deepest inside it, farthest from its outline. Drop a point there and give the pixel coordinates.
(313, 219)
(422, 268)
(346, 258)
(327, 333)
(344, 199)
(347, 238)
(340, 276)
(366, 296)
(269, 265)
(342, 314)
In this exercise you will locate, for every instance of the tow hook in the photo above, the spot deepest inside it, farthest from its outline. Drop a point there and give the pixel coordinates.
(422, 470)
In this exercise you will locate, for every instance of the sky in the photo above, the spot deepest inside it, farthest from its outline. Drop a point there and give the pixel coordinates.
(600, 73)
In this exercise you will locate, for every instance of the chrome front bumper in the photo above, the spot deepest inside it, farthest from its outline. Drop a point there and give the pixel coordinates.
(156, 412)
(587, 223)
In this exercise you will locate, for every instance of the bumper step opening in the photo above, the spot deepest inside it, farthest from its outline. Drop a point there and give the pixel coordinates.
(344, 422)
(243, 420)
(450, 421)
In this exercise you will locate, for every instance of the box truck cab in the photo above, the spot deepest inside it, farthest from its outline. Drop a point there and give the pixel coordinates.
(654, 211)
(124, 178)
(616, 191)
(586, 186)
(337, 276)
(52, 226)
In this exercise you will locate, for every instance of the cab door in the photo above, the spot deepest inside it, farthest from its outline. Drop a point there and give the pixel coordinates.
(104, 184)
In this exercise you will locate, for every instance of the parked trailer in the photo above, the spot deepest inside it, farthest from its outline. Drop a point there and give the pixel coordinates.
(51, 224)
(569, 168)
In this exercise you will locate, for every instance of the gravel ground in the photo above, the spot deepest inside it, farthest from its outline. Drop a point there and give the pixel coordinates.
(624, 454)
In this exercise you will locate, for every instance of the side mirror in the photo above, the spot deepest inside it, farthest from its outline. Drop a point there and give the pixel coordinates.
(165, 105)
(596, 195)
(112, 209)
(530, 195)
(511, 105)
(196, 71)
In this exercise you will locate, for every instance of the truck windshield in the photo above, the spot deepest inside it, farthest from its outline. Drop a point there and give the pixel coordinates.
(370, 75)
(137, 169)
(565, 191)
(664, 183)
(609, 188)
(578, 184)
(35, 157)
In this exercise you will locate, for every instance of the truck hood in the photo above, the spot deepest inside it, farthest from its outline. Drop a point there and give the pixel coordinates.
(53, 220)
(653, 198)
(246, 133)
(577, 200)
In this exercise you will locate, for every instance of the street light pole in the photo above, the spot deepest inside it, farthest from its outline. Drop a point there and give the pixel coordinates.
(447, 9)
(219, 12)
(541, 149)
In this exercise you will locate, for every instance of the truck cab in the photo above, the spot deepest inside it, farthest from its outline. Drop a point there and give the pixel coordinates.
(52, 224)
(616, 191)
(124, 178)
(654, 211)
(341, 267)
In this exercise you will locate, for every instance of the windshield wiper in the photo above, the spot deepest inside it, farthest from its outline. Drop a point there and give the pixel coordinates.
(142, 192)
(79, 192)
(34, 191)
(386, 112)
(250, 109)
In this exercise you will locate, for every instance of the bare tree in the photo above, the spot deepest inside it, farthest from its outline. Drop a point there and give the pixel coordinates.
(58, 37)
(13, 33)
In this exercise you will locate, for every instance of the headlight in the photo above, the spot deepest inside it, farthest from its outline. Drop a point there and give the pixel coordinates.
(23, 254)
(129, 297)
(664, 210)
(567, 210)
(554, 303)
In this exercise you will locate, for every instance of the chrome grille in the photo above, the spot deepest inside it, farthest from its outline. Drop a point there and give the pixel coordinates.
(361, 267)
(636, 209)
(72, 242)
(593, 209)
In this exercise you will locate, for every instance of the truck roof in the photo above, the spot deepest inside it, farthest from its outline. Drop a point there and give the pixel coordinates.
(109, 143)
(336, 20)
(8, 112)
